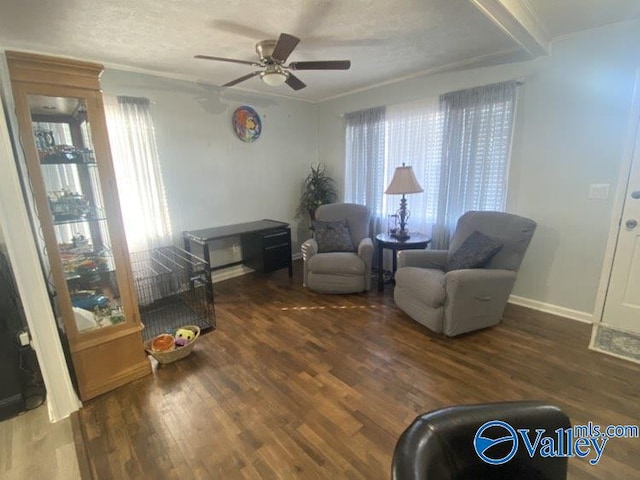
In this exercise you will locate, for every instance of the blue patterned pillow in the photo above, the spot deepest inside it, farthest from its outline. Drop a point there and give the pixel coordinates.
(475, 252)
(333, 236)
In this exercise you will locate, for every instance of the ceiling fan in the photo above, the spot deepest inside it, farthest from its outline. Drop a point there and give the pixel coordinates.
(272, 57)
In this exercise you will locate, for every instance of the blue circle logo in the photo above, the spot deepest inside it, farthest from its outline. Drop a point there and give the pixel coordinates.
(482, 443)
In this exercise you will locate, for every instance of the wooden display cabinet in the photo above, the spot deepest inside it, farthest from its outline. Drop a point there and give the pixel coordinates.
(82, 244)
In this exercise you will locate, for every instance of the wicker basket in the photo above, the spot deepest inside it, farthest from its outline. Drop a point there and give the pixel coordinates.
(176, 354)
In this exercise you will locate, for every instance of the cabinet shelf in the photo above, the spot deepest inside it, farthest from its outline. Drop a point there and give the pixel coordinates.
(88, 274)
(72, 157)
(79, 220)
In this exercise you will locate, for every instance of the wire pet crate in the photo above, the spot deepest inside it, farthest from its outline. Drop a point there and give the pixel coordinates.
(174, 289)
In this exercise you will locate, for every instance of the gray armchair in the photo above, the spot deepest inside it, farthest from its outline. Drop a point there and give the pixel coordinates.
(340, 271)
(459, 301)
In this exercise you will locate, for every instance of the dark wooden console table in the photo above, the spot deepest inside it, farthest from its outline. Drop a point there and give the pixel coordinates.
(266, 244)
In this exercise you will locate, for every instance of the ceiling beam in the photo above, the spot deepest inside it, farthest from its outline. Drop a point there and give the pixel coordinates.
(517, 19)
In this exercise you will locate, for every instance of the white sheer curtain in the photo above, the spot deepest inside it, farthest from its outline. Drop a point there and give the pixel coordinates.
(475, 156)
(137, 166)
(414, 137)
(365, 170)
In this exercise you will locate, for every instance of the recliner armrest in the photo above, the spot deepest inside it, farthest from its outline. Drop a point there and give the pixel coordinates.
(309, 248)
(423, 258)
(457, 279)
(475, 298)
(365, 250)
(479, 283)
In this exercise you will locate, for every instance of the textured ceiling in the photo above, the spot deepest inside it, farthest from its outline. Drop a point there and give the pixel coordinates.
(385, 40)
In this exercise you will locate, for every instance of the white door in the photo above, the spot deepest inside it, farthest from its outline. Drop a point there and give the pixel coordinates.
(622, 303)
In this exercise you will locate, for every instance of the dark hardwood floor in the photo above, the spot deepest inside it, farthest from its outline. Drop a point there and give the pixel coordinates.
(295, 384)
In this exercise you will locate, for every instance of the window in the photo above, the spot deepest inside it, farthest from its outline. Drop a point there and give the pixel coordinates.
(365, 147)
(414, 137)
(458, 145)
(137, 166)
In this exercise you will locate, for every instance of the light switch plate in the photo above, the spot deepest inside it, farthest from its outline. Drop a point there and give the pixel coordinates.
(599, 191)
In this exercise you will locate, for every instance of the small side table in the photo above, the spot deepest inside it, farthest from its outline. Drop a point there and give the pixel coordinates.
(416, 241)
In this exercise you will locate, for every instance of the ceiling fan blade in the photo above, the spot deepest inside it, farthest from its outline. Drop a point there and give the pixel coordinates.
(242, 79)
(321, 65)
(294, 82)
(285, 45)
(232, 60)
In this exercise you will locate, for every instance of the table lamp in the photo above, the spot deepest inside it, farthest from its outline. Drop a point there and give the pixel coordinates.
(403, 182)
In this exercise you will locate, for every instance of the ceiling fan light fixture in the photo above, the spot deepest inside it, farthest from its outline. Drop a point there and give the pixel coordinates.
(273, 55)
(274, 78)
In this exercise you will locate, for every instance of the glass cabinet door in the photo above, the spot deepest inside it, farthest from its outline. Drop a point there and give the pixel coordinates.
(72, 184)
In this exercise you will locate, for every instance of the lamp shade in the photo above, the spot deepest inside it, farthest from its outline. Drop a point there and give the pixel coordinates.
(403, 181)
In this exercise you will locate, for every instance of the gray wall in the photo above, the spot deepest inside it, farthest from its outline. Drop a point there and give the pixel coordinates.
(211, 177)
(571, 131)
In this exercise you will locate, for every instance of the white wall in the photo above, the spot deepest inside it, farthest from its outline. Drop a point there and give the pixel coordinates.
(570, 132)
(16, 239)
(211, 177)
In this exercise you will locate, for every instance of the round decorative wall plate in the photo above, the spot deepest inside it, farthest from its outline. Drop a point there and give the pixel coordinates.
(246, 124)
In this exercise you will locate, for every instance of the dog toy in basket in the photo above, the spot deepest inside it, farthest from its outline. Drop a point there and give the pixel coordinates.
(183, 337)
(167, 348)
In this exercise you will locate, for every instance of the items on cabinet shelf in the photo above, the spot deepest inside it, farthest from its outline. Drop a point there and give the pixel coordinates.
(68, 206)
(81, 243)
(44, 139)
(63, 154)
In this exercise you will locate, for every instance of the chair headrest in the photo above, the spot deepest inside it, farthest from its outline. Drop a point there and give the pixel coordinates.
(512, 231)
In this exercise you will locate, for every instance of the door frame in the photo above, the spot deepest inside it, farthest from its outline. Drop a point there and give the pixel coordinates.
(632, 137)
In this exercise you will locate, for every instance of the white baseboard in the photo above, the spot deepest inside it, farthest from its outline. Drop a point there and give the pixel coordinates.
(584, 317)
(231, 272)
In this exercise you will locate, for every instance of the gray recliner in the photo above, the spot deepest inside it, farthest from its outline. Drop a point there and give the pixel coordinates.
(340, 272)
(459, 301)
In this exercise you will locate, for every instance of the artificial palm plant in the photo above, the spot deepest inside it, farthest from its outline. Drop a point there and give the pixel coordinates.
(318, 189)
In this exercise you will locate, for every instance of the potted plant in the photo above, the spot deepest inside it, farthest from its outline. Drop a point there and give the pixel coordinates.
(318, 189)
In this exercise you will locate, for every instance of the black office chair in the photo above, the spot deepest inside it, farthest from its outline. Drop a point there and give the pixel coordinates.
(439, 445)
